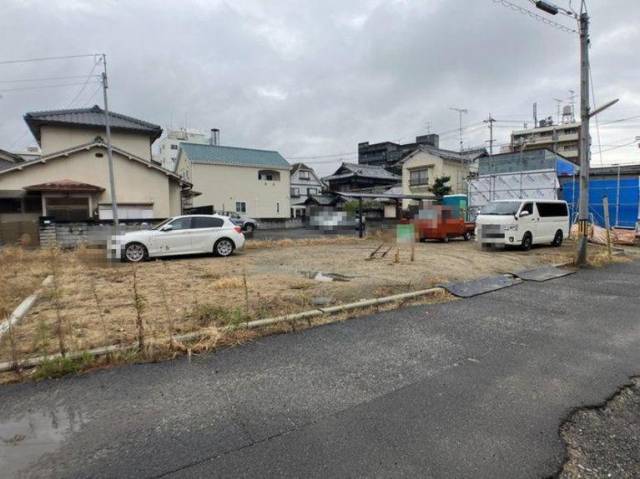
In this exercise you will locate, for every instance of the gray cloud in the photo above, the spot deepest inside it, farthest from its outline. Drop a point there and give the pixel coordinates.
(315, 78)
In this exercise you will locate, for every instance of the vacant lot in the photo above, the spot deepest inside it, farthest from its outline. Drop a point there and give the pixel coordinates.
(94, 303)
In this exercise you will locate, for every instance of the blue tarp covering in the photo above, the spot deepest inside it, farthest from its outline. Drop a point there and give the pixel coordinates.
(625, 214)
(565, 167)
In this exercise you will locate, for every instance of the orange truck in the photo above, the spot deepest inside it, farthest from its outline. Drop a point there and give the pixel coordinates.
(441, 223)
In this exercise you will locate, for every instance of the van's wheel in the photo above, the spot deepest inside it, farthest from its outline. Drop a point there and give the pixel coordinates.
(223, 247)
(135, 252)
(445, 239)
(557, 239)
(466, 236)
(527, 241)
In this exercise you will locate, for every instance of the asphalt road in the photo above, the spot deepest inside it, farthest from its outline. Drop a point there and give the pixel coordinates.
(474, 388)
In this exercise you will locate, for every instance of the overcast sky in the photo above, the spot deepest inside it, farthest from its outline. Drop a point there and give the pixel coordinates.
(314, 78)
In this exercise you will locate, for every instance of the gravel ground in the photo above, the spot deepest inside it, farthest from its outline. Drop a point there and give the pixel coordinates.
(605, 441)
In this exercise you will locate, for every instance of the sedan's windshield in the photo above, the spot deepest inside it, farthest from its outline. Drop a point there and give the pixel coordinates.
(160, 225)
(501, 208)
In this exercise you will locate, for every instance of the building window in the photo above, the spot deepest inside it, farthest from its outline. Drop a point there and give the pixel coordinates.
(241, 207)
(295, 191)
(312, 191)
(277, 207)
(10, 205)
(304, 175)
(268, 175)
(418, 177)
(70, 208)
(174, 147)
(33, 204)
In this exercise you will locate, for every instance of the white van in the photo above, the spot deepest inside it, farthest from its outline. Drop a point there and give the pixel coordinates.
(523, 223)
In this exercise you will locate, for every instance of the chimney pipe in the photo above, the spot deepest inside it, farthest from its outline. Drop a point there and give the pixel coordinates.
(215, 137)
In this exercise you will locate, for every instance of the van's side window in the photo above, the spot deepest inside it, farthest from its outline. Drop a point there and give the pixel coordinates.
(552, 209)
(528, 207)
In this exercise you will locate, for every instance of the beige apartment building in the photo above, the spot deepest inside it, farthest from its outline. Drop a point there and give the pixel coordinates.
(251, 182)
(563, 139)
(70, 180)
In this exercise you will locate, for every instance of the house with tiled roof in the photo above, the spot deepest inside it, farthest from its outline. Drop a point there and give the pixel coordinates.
(361, 177)
(421, 167)
(251, 182)
(69, 179)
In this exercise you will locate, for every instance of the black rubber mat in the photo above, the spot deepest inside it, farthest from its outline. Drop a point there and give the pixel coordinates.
(468, 289)
(543, 274)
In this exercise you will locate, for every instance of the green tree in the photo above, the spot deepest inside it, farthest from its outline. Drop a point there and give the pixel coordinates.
(440, 187)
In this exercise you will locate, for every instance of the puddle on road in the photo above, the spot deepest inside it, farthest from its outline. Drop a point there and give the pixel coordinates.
(25, 439)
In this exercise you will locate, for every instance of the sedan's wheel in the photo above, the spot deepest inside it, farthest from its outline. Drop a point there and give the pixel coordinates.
(466, 236)
(557, 239)
(135, 252)
(223, 247)
(249, 228)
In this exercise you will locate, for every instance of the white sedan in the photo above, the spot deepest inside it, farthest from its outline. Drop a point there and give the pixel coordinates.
(179, 235)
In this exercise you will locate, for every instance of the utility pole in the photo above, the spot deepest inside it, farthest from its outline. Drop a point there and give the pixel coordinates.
(585, 143)
(461, 170)
(490, 121)
(107, 124)
(584, 149)
(460, 112)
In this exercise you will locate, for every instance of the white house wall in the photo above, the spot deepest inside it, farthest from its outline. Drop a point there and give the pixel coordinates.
(223, 185)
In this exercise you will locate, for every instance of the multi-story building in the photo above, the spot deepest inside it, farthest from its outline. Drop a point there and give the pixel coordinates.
(422, 167)
(251, 182)
(170, 145)
(304, 181)
(388, 153)
(563, 139)
(305, 184)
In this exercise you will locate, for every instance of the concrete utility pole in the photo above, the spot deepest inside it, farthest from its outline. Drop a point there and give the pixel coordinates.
(583, 206)
(585, 143)
(107, 124)
(490, 121)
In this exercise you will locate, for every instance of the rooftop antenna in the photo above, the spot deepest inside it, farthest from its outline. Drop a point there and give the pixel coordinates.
(572, 102)
(558, 104)
(460, 112)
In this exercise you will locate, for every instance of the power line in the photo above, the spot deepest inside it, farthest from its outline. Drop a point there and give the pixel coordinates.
(621, 120)
(88, 100)
(43, 59)
(535, 16)
(41, 87)
(86, 82)
(620, 146)
(593, 102)
(23, 80)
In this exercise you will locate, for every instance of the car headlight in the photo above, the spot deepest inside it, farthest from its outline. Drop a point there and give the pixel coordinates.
(511, 228)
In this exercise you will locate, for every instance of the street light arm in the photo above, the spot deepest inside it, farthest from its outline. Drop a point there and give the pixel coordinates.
(603, 107)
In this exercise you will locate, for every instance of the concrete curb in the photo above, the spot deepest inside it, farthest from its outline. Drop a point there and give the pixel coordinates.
(32, 362)
(24, 307)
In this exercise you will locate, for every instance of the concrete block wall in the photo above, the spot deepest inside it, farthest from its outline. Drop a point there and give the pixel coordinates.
(69, 235)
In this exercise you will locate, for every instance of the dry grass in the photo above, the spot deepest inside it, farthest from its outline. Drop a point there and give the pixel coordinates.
(98, 305)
